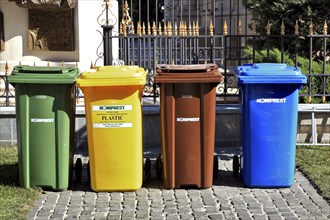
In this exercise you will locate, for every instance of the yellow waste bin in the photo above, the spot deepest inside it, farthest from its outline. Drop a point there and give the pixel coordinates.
(112, 97)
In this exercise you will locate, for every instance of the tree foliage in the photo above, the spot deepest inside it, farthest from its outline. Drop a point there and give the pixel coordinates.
(289, 11)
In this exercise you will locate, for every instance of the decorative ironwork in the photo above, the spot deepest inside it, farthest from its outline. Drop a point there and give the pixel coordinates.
(99, 50)
(6, 96)
(107, 17)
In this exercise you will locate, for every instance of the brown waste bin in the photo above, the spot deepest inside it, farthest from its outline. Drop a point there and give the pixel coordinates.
(187, 119)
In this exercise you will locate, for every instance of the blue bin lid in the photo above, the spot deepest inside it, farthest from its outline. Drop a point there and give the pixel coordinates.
(273, 73)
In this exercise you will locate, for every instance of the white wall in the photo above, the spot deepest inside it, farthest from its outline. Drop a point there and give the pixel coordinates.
(87, 39)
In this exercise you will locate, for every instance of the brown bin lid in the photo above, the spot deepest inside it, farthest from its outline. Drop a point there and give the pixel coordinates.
(188, 73)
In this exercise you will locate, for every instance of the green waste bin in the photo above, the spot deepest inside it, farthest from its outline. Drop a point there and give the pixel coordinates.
(45, 117)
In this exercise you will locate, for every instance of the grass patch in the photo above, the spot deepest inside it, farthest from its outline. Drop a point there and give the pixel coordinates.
(314, 162)
(15, 201)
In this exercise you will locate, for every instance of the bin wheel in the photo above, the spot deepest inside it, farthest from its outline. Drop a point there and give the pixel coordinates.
(78, 169)
(236, 165)
(159, 167)
(147, 169)
(215, 167)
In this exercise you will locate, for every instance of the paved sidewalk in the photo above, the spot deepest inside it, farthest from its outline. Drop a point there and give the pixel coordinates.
(227, 199)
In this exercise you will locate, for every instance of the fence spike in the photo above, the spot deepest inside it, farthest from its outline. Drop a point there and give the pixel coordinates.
(197, 28)
(268, 28)
(91, 66)
(133, 28)
(180, 29)
(165, 28)
(160, 29)
(325, 28)
(154, 29)
(143, 29)
(239, 28)
(124, 29)
(169, 28)
(190, 31)
(282, 28)
(211, 28)
(225, 28)
(254, 28)
(6, 68)
(139, 29)
(311, 27)
(121, 28)
(149, 29)
(296, 28)
(175, 29)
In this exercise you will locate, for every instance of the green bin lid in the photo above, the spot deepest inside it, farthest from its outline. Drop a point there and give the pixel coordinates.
(113, 76)
(43, 74)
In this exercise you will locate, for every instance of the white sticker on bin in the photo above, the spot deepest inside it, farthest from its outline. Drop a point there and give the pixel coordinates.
(112, 107)
(112, 125)
(44, 120)
(187, 119)
(271, 100)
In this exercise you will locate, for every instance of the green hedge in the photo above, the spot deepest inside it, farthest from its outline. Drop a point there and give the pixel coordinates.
(303, 63)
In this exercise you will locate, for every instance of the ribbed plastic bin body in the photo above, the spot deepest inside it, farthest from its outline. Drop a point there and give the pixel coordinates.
(45, 117)
(114, 126)
(269, 123)
(187, 111)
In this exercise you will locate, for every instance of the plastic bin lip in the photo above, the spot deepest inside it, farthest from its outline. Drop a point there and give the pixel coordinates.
(267, 69)
(113, 76)
(206, 73)
(43, 75)
(269, 73)
(25, 69)
(191, 69)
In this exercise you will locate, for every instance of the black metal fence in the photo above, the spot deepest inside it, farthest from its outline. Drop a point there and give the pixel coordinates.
(228, 51)
(205, 36)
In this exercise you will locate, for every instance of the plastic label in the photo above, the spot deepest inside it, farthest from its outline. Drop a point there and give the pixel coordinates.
(187, 119)
(42, 120)
(271, 100)
(112, 116)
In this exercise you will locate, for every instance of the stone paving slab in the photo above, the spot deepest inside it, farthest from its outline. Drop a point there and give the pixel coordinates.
(226, 199)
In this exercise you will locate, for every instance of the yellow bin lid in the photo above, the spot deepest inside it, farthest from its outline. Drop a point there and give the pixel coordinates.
(113, 76)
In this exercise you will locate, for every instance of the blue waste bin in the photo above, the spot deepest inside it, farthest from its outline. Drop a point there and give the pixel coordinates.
(269, 123)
